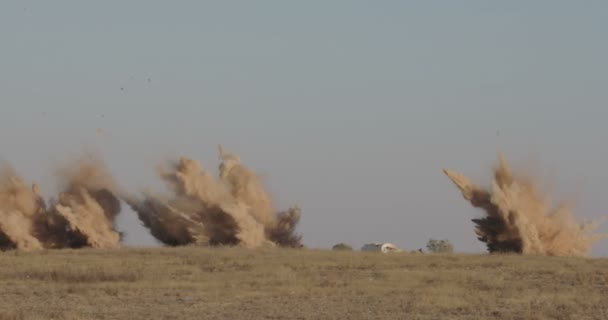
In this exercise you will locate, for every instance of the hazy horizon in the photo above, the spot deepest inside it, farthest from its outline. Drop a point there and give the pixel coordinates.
(349, 109)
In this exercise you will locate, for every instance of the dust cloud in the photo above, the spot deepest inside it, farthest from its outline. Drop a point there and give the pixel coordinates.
(82, 215)
(233, 208)
(519, 219)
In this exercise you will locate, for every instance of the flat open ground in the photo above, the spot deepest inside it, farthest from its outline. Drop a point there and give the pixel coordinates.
(231, 283)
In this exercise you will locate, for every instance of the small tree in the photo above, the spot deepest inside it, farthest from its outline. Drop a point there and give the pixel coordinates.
(439, 246)
(342, 246)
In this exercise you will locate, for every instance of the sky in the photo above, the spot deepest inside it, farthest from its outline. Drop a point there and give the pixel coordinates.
(349, 109)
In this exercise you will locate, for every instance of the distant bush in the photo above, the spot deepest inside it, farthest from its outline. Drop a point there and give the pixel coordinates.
(440, 246)
(342, 246)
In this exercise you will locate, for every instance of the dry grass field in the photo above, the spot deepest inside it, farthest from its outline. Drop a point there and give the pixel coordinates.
(233, 283)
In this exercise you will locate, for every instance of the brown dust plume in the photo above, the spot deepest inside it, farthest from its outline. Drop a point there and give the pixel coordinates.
(82, 215)
(518, 219)
(231, 209)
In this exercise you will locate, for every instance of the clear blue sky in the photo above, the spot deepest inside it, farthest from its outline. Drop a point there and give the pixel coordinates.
(348, 108)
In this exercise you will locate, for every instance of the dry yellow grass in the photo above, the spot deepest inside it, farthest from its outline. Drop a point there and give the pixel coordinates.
(236, 283)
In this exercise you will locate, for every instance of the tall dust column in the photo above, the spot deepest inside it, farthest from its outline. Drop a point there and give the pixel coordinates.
(231, 209)
(82, 215)
(20, 208)
(88, 204)
(518, 219)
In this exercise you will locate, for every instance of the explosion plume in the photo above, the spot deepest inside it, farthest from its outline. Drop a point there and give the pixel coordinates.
(232, 209)
(81, 216)
(519, 220)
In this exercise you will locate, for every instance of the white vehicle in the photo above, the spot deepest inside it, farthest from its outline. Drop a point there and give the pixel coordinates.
(380, 247)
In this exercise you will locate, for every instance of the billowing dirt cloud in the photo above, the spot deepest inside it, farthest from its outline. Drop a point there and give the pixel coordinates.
(232, 209)
(518, 219)
(81, 216)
